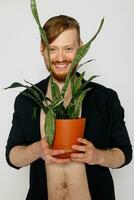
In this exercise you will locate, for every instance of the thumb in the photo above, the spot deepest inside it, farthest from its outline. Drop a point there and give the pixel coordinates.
(44, 143)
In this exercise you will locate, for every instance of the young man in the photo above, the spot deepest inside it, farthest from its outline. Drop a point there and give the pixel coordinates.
(105, 144)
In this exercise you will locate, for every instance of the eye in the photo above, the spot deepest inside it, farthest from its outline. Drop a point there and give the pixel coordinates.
(52, 50)
(69, 49)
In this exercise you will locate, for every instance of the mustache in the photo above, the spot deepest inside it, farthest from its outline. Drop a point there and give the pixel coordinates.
(64, 61)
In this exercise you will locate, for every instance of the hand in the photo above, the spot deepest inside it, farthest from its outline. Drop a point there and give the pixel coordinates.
(48, 154)
(90, 155)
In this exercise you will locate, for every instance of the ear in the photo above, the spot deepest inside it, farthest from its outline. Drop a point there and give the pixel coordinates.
(42, 47)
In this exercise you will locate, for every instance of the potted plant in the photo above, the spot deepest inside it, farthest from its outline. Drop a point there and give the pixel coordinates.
(58, 116)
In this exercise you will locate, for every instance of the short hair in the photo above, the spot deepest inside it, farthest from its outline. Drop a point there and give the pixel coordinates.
(57, 24)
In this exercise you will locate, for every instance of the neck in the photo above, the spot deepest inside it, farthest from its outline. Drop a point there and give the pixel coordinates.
(68, 93)
(60, 84)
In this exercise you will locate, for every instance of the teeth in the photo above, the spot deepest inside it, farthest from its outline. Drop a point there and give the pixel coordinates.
(61, 65)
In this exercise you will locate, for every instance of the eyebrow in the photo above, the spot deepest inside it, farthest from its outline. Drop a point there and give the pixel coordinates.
(64, 46)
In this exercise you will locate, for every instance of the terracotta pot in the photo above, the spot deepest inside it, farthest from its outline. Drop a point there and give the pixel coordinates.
(66, 133)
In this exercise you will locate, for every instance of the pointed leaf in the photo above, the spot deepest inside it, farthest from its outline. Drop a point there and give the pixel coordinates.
(81, 52)
(41, 30)
(60, 112)
(89, 80)
(34, 113)
(64, 89)
(15, 85)
(85, 63)
(70, 109)
(39, 92)
(26, 93)
(79, 103)
(50, 126)
(55, 103)
(34, 11)
(78, 82)
(31, 90)
(37, 89)
(55, 90)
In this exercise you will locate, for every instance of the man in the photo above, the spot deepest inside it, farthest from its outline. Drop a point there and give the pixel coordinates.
(105, 145)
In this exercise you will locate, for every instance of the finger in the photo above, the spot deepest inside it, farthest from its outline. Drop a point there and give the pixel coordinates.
(78, 160)
(55, 152)
(79, 148)
(84, 141)
(61, 161)
(44, 143)
(77, 155)
(52, 159)
(48, 159)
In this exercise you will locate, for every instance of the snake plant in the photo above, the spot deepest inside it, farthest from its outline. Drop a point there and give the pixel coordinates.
(54, 108)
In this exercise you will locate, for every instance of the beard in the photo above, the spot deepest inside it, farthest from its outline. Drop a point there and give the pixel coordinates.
(60, 74)
(59, 77)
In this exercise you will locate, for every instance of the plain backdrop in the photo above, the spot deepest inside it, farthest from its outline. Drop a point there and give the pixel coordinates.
(20, 59)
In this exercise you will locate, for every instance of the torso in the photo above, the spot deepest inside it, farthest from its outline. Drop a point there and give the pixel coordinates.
(65, 181)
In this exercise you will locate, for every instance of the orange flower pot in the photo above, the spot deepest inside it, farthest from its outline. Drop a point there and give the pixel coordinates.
(66, 133)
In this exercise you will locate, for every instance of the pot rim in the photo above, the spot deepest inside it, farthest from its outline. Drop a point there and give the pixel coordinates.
(73, 119)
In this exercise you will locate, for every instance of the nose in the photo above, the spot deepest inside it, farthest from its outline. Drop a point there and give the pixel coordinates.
(60, 57)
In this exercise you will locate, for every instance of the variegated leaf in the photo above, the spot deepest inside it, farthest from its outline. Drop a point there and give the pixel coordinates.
(50, 126)
(55, 91)
(81, 52)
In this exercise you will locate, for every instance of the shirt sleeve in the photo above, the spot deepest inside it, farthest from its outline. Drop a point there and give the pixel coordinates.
(16, 136)
(119, 133)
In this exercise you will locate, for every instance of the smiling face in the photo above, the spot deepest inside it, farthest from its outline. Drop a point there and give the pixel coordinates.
(62, 53)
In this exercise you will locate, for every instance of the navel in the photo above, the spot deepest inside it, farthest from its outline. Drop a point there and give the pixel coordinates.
(64, 185)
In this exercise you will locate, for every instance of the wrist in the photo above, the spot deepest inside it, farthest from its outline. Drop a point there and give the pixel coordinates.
(112, 158)
(101, 159)
(35, 149)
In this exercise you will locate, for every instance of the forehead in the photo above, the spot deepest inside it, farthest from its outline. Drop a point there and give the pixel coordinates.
(67, 37)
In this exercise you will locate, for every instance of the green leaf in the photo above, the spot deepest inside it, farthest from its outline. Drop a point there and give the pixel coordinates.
(73, 82)
(34, 113)
(87, 81)
(84, 63)
(36, 89)
(41, 30)
(70, 110)
(55, 90)
(34, 11)
(101, 24)
(65, 85)
(81, 52)
(39, 92)
(55, 103)
(32, 91)
(78, 104)
(78, 92)
(15, 85)
(60, 112)
(36, 100)
(78, 82)
(50, 126)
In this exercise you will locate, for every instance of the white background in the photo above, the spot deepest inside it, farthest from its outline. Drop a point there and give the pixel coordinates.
(20, 59)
